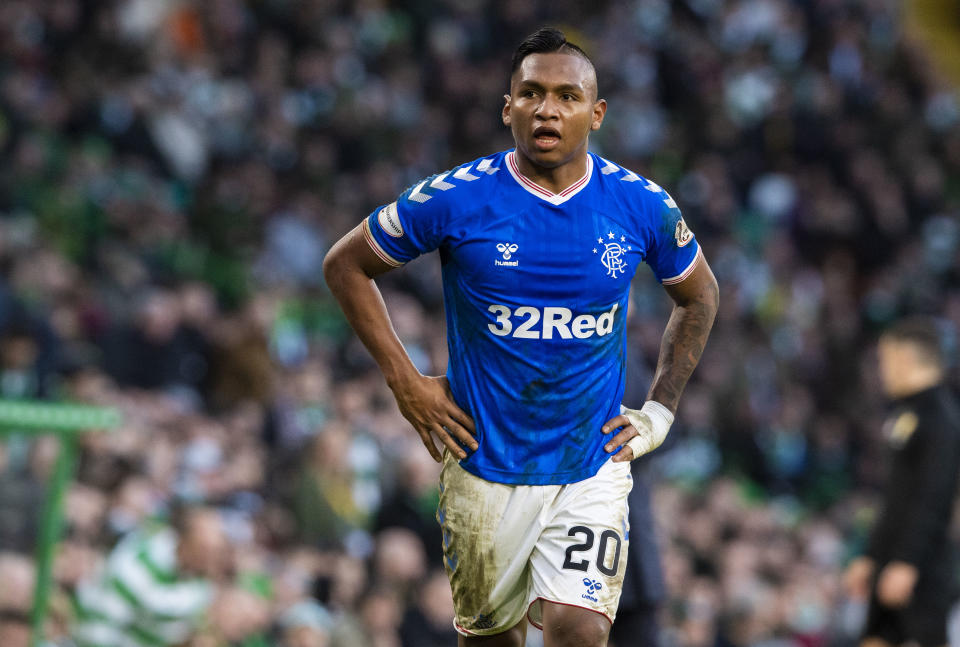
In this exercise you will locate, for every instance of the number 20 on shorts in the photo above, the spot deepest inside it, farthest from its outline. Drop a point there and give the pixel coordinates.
(606, 537)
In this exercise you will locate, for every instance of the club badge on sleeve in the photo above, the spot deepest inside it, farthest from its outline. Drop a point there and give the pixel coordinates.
(390, 221)
(682, 233)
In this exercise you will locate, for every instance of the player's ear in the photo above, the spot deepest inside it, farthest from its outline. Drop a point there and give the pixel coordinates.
(505, 114)
(599, 110)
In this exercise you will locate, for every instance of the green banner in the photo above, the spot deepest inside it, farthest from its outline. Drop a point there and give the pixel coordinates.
(41, 416)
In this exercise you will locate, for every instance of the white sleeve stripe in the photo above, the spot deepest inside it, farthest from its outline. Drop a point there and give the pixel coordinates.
(375, 246)
(687, 272)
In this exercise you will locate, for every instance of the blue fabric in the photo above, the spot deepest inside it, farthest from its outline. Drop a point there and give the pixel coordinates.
(536, 300)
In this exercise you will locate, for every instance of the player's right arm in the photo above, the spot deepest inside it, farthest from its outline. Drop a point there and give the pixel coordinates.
(426, 402)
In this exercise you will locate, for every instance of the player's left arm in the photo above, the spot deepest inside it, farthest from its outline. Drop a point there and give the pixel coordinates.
(695, 302)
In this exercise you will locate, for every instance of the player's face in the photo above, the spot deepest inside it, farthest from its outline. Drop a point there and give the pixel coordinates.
(552, 107)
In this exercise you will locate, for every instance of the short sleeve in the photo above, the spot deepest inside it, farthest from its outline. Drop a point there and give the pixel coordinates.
(411, 226)
(673, 251)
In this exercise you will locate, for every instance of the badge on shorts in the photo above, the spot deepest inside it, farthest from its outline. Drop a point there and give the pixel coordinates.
(390, 221)
(682, 233)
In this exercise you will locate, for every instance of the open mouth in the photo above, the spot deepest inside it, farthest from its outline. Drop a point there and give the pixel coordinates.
(546, 137)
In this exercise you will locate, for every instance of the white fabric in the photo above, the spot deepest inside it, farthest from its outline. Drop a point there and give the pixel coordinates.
(505, 546)
(178, 599)
(652, 423)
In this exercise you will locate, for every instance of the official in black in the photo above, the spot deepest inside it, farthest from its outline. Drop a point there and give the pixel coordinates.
(907, 570)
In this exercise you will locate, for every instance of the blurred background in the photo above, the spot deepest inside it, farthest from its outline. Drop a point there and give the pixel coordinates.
(173, 171)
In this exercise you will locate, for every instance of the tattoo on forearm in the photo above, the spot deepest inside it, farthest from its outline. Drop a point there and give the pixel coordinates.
(683, 342)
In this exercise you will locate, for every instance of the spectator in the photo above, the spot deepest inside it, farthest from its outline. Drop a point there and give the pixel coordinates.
(306, 624)
(14, 629)
(238, 617)
(413, 504)
(327, 506)
(156, 584)
(19, 578)
(428, 623)
(157, 351)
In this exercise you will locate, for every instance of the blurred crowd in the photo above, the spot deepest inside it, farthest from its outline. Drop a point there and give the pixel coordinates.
(173, 172)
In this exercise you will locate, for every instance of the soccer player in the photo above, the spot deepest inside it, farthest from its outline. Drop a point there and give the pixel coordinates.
(908, 570)
(538, 246)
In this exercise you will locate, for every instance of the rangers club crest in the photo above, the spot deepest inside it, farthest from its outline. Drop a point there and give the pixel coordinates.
(612, 253)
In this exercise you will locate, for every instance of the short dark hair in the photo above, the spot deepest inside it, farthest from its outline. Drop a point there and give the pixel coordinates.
(923, 333)
(546, 40)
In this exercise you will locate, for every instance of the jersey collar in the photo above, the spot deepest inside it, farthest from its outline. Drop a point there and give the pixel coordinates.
(539, 191)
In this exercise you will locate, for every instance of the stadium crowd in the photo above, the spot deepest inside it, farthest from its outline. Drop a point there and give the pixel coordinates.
(173, 172)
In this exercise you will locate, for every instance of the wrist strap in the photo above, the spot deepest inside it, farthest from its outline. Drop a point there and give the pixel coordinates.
(659, 414)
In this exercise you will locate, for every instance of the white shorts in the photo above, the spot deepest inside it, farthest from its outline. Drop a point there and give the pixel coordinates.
(507, 547)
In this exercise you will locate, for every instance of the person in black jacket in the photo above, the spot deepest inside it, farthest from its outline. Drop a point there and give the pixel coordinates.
(907, 570)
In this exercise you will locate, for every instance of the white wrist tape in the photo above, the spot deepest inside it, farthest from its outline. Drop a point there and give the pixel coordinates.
(652, 423)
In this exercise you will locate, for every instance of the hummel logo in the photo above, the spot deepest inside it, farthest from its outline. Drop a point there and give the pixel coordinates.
(507, 249)
(592, 587)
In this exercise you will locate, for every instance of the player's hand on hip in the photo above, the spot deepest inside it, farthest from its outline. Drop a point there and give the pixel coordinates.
(895, 584)
(427, 404)
(642, 430)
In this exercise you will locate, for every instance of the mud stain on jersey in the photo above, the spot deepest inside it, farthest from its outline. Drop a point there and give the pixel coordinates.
(533, 390)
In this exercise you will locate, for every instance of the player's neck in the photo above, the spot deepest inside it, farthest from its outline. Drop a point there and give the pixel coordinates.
(554, 179)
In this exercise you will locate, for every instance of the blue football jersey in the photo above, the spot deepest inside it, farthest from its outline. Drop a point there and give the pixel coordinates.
(536, 286)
